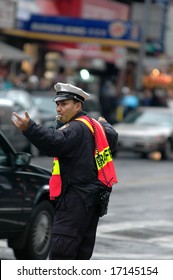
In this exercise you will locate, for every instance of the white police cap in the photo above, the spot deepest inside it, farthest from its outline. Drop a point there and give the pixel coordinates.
(68, 91)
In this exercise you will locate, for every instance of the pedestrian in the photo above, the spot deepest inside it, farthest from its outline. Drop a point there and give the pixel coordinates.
(83, 171)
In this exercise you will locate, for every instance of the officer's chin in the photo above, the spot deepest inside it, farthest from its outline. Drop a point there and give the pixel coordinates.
(63, 120)
(60, 118)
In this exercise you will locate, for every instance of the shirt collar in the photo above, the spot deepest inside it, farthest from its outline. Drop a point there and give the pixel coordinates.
(81, 113)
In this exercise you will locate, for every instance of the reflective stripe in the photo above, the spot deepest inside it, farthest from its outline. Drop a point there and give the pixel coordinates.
(90, 126)
(103, 157)
(87, 123)
(55, 182)
(56, 167)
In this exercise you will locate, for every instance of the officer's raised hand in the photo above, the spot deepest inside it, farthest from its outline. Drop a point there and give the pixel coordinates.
(101, 119)
(21, 122)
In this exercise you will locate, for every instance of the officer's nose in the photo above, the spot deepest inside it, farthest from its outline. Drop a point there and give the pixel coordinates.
(58, 107)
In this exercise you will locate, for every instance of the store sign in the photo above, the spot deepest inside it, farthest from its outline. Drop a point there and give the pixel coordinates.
(116, 29)
(7, 13)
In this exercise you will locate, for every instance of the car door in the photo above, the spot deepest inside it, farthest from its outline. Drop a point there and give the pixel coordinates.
(11, 191)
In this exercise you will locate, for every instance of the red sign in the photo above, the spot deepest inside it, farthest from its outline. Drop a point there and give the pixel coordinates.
(93, 9)
(104, 9)
(89, 9)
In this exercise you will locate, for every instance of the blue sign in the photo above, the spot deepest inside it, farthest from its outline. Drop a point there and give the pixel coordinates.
(116, 29)
(161, 2)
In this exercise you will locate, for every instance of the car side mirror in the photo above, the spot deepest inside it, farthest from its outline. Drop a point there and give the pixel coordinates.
(22, 159)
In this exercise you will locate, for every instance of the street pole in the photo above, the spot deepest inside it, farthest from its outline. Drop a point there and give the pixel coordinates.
(144, 30)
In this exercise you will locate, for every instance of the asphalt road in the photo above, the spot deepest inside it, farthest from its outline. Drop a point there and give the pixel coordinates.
(139, 223)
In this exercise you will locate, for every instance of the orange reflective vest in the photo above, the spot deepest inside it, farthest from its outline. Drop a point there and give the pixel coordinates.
(103, 158)
(102, 154)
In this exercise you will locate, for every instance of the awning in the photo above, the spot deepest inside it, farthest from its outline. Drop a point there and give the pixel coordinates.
(78, 51)
(9, 53)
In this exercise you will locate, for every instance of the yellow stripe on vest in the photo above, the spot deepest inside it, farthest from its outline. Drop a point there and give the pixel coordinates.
(87, 123)
(103, 157)
(55, 167)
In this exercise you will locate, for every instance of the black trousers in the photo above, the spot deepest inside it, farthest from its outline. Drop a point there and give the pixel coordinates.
(74, 229)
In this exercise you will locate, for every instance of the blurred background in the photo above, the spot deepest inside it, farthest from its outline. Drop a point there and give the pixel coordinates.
(121, 53)
(110, 48)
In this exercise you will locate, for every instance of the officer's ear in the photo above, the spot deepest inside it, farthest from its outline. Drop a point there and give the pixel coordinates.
(79, 105)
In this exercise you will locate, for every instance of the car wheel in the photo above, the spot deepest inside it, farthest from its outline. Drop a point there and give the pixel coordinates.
(39, 235)
(167, 152)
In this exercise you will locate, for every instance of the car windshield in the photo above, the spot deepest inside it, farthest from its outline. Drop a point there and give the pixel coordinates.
(149, 118)
(22, 98)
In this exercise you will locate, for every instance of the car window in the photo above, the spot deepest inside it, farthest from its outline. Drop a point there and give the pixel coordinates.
(3, 158)
(44, 104)
(132, 117)
(6, 153)
(147, 117)
(154, 118)
(22, 98)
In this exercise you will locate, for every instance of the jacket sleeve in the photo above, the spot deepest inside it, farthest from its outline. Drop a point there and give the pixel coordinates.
(53, 142)
(111, 135)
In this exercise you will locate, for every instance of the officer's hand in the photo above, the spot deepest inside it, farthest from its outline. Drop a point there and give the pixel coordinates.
(102, 119)
(21, 122)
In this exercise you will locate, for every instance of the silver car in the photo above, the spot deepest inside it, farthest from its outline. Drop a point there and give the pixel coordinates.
(146, 130)
(21, 102)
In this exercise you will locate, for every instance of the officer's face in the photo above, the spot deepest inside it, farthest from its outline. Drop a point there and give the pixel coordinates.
(67, 109)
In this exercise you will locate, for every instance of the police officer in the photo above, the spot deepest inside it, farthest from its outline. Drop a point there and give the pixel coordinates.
(73, 145)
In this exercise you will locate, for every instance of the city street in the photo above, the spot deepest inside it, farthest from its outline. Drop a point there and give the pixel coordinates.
(139, 223)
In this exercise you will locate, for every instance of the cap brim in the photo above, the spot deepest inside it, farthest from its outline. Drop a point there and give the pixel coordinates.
(61, 98)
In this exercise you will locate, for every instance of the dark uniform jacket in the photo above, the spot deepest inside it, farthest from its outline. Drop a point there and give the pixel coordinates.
(74, 146)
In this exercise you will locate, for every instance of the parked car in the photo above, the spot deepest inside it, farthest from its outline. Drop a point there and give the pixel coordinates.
(21, 101)
(146, 130)
(26, 213)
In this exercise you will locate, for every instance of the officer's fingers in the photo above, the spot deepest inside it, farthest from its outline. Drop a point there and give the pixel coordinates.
(16, 119)
(16, 116)
(101, 119)
(27, 116)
